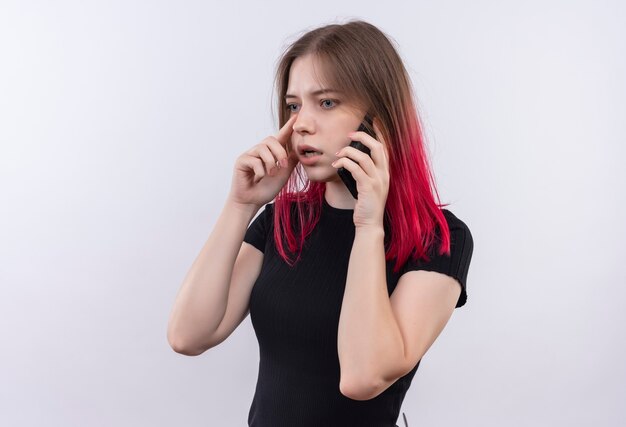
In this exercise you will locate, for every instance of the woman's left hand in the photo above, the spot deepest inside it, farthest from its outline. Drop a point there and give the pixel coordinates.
(371, 175)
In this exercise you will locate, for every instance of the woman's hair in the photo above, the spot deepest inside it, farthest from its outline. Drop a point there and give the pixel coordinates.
(359, 60)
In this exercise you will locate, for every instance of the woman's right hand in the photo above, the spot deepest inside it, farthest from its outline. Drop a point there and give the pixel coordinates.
(256, 177)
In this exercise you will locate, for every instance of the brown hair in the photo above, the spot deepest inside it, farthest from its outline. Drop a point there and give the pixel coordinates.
(360, 60)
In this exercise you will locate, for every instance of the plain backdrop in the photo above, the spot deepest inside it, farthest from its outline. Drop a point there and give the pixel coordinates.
(120, 122)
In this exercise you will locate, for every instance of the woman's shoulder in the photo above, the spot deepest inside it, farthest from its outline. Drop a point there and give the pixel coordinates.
(454, 222)
(461, 239)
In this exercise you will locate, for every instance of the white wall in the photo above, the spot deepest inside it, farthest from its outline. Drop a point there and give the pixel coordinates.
(120, 122)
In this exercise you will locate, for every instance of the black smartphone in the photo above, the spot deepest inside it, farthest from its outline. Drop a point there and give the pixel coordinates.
(366, 126)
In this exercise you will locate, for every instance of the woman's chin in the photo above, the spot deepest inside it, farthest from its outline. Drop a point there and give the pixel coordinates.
(322, 176)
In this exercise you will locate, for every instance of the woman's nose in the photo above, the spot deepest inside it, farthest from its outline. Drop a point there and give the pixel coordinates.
(302, 123)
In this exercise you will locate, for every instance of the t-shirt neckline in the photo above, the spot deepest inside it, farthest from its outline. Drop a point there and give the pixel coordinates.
(336, 211)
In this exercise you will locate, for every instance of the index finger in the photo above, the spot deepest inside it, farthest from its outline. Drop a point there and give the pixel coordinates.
(285, 132)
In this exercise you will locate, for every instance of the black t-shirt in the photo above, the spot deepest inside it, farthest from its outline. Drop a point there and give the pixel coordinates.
(295, 316)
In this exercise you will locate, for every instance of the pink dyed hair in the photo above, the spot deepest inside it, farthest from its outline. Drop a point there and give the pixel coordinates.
(360, 60)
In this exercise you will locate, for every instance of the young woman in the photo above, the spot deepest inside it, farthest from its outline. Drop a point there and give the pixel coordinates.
(345, 295)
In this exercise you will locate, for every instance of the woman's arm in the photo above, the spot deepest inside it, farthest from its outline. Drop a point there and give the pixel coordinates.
(202, 299)
(381, 338)
(368, 335)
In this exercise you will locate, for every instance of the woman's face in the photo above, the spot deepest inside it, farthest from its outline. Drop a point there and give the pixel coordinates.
(324, 119)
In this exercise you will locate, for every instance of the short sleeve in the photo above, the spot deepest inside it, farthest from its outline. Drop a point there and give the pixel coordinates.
(258, 230)
(455, 265)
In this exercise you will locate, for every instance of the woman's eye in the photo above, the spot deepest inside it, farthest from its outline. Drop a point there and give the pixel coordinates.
(324, 103)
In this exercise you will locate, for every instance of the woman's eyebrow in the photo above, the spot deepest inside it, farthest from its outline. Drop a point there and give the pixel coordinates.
(315, 92)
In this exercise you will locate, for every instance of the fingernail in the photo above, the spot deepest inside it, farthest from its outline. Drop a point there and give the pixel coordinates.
(283, 163)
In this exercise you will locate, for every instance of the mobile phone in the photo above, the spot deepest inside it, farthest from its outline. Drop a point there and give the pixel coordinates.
(347, 178)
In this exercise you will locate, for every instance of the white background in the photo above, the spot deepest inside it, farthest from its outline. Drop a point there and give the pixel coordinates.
(120, 122)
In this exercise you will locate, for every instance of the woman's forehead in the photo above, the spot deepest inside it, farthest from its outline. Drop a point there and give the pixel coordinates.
(308, 70)
(311, 76)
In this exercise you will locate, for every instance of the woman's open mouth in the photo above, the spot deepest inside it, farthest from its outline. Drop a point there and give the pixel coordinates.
(311, 153)
(310, 157)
